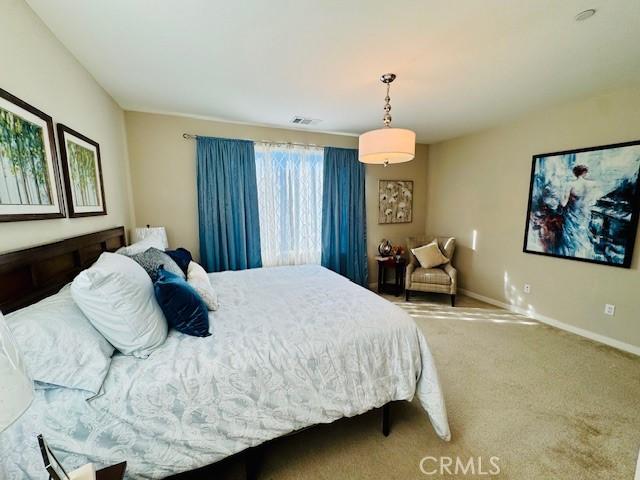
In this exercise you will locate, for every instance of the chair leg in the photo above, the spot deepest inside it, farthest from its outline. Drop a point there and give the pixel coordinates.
(453, 300)
(406, 295)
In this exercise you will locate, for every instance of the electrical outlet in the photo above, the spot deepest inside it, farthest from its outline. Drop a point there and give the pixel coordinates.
(609, 309)
(527, 288)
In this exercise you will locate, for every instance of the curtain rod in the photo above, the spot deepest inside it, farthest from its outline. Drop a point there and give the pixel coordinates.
(190, 136)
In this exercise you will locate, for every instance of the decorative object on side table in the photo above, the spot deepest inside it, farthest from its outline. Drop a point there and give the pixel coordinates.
(584, 204)
(398, 264)
(397, 251)
(82, 171)
(395, 201)
(30, 188)
(384, 249)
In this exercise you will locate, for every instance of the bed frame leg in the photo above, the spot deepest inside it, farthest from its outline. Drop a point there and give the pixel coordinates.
(386, 419)
(253, 462)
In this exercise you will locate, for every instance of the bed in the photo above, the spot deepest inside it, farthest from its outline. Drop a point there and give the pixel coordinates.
(291, 347)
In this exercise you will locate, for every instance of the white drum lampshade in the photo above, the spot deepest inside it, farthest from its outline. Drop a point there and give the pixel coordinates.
(387, 145)
(16, 388)
(158, 233)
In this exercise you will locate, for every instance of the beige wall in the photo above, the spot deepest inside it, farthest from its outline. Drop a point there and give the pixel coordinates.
(163, 173)
(481, 182)
(40, 71)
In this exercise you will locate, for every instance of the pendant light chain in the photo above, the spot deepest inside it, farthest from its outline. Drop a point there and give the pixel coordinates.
(387, 108)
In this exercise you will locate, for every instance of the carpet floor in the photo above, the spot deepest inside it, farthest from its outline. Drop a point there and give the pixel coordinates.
(548, 404)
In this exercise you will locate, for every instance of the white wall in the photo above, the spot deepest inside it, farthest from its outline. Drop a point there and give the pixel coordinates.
(481, 182)
(36, 68)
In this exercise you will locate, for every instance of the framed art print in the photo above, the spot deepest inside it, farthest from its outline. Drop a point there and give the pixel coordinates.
(30, 187)
(82, 171)
(395, 201)
(584, 204)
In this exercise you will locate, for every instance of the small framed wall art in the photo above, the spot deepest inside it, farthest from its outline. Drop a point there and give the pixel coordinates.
(82, 171)
(395, 201)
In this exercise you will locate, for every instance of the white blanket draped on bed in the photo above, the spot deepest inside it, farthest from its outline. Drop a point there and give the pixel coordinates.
(291, 347)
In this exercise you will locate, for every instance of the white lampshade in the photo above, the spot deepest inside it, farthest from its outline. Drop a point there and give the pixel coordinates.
(158, 233)
(16, 388)
(387, 145)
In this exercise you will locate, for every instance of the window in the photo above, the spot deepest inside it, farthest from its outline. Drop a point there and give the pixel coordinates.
(290, 203)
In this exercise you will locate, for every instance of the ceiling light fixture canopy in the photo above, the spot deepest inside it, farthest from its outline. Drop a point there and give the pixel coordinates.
(387, 145)
(582, 16)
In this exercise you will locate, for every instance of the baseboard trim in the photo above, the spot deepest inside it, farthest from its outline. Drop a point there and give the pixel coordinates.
(612, 342)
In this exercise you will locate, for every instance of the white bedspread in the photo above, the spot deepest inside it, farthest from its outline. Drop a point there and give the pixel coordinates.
(291, 347)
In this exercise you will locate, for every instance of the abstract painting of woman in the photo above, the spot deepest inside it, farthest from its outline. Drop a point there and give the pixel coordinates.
(583, 204)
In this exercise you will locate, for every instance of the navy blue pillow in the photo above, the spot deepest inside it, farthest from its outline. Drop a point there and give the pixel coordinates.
(181, 256)
(183, 308)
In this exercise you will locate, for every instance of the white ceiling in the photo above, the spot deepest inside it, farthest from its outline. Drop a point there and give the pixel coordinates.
(462, 65)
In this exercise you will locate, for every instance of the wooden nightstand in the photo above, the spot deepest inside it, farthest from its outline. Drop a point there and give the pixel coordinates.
(114, 472)
(384, 263)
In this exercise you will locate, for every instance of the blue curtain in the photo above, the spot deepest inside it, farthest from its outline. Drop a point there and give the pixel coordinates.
(344, 236)
(227, 205)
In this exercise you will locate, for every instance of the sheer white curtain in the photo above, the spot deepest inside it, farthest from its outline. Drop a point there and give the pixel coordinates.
(289, 203)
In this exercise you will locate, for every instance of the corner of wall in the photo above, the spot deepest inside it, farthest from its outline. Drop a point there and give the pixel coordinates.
(128, 181)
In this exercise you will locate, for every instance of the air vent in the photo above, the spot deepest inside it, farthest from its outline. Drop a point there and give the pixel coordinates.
(299, 120)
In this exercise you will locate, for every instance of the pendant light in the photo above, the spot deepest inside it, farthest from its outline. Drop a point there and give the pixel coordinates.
(387, 145)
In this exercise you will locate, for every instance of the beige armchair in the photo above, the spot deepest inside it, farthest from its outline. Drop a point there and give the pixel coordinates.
(442, 279)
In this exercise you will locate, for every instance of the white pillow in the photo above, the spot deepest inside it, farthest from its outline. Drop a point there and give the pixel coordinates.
(117, 296)
(59, 345)
(197, 277)
(430, 255)
(142, 246)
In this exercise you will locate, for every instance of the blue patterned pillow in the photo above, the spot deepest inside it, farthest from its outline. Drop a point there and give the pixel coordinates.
(152, 259)
(181, 256)
(183, 308)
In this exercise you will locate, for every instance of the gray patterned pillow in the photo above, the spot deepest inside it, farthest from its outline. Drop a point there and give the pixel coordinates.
(152, 259)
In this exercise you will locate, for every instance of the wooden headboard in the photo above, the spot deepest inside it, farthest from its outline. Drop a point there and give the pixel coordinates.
(29, 275)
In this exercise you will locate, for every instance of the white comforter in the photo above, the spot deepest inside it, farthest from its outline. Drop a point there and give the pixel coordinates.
(291, 347)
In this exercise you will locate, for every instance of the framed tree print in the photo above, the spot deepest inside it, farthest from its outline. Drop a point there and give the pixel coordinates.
(82, 173)
(30, 187)
(584, 204)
